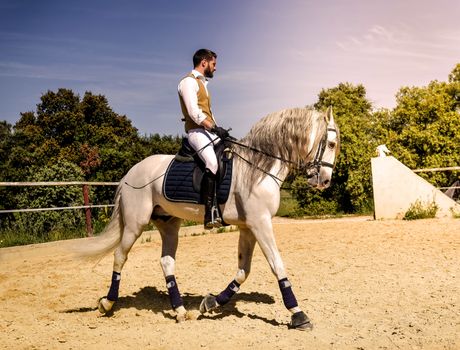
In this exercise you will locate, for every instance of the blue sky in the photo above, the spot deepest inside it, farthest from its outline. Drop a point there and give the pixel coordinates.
(271, 54)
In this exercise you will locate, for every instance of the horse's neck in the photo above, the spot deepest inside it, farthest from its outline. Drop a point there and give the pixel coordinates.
(275, 155)
(281, 170)
(278, 172)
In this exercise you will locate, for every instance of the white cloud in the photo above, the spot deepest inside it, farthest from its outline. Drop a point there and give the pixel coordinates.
(402, 42)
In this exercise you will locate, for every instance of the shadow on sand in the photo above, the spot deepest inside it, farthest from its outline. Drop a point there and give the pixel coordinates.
(157, 301)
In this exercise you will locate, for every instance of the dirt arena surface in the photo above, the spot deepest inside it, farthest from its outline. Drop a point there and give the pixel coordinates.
(365, 285)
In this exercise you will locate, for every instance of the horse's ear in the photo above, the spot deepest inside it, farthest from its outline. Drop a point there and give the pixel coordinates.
(329, 116)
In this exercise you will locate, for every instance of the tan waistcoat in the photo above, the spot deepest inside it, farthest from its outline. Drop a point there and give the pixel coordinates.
(204, 103)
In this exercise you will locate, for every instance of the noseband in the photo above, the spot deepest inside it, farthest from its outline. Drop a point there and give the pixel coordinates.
(312, 168)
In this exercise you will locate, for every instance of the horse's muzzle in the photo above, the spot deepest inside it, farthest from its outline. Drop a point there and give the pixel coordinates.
(319, 183)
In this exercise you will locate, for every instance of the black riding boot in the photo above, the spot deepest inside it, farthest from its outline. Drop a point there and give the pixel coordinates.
(211, 217)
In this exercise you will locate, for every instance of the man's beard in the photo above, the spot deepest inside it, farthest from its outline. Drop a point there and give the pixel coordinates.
(208, 73)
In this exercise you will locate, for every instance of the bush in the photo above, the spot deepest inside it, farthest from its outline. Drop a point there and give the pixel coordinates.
(419, 210)
(312, 202)
(35, 227)
(288, 205)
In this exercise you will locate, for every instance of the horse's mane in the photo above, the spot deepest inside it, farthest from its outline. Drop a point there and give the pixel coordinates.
(285, 134)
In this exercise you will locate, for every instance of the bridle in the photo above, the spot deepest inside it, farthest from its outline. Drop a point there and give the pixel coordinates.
(311, 168)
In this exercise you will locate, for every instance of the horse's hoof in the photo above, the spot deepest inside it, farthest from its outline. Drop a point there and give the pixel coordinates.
(186, 316)
(191, 315)
(181, 317)
(300, 321)
(208, 303)
(104, 305)
(181, 314)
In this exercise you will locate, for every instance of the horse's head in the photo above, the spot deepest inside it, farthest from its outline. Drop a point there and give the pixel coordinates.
(320, 170)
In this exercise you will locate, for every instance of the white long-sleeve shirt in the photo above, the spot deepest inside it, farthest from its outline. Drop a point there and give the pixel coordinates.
(188, 90)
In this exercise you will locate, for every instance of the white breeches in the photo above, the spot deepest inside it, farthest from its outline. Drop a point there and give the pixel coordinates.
(203, 142)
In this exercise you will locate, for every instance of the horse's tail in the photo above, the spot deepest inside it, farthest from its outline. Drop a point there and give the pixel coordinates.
(109, 238)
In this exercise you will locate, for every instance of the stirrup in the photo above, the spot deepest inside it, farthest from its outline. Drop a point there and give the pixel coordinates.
(216, 220)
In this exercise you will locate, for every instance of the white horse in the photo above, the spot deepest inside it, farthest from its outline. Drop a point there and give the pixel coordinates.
(297, 138)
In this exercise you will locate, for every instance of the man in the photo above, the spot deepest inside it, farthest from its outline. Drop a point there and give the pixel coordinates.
(200, 126)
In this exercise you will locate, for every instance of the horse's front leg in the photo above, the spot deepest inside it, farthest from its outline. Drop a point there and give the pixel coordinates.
(263, 232)
(169, 231)
(246, 245)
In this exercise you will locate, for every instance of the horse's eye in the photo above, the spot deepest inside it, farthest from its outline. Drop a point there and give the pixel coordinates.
(331, 144)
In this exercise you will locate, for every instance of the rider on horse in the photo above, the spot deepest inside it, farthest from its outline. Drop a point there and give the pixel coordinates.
(200, 126)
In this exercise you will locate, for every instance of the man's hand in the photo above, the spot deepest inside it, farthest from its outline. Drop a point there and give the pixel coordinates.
(221, 132)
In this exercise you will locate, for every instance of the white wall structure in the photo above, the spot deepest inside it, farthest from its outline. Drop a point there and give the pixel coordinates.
(396, 188)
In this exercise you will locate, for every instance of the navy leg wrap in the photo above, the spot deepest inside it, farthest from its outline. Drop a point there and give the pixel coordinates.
(173, 291)
(113, 291)
(286, 291)
(225, 296)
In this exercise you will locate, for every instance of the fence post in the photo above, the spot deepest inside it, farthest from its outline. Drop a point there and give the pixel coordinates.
(89, 228)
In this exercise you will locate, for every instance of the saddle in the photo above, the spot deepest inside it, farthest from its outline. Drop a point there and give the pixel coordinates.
(183, 177)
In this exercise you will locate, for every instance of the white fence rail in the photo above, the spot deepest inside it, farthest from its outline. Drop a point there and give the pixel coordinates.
(55, 208)
(430, 170)
(427, 170)
(85, 188)
(58, 183)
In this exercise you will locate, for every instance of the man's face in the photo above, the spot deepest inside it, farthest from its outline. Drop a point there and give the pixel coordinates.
(209, 67)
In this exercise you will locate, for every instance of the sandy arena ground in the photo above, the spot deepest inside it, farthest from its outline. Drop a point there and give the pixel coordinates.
(365, 285)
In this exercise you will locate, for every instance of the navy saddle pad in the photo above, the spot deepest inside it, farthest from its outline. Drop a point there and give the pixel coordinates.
(178, 183)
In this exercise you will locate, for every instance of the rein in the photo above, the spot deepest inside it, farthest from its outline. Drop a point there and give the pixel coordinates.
(274, 177)
(232, 140)
(311, 168)
(315, 165)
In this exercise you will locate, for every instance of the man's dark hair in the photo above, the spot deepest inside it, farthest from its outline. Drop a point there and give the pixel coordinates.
(203, 54)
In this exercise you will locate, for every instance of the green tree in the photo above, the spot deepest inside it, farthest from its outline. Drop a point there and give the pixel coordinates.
(351, 189)
(84, 132)
(454, 76)
(109, 142)
(5, 147)
(7, 197)
(423, 130)
(79, 131)
(158, 144)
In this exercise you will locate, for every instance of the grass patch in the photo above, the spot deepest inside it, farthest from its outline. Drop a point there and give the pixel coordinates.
(12, 237)
(230, 228)
(419, 210)
(455, 213)
(186, 223)
(146, 239)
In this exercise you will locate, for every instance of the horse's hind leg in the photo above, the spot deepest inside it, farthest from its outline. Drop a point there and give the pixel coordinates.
(246, 246)
(169, 231)
(134, 224)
